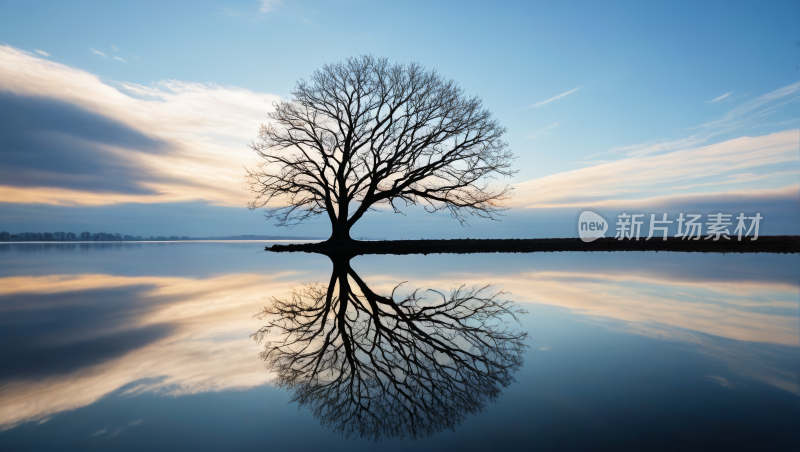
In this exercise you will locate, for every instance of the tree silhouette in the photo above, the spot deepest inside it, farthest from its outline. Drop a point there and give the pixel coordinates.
(369, 366)
(364, 133)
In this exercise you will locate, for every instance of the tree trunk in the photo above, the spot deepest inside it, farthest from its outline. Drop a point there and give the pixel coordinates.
(340, 233)
(340, 229)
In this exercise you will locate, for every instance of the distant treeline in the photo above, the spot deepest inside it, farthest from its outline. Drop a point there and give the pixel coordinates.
(73, 237)
(117, 237)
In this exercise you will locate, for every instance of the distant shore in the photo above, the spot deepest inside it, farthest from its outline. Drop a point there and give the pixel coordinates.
(784, 244)
(112, 242)
(112, 238)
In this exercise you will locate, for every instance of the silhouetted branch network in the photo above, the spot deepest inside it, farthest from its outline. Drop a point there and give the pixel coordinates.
(369, 366)
(364, 133)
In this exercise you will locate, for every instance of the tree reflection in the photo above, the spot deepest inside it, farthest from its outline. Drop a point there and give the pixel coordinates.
(379, 367)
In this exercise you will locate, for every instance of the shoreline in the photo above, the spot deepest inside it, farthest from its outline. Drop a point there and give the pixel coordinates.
(67, 242)
(787, 244)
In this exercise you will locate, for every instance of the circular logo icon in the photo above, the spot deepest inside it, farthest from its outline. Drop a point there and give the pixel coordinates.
(591, 226)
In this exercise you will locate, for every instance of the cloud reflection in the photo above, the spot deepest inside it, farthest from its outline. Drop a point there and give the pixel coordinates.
(201, 342)
(183, 335)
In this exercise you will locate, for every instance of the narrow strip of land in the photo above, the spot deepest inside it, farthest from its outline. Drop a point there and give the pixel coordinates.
(770, 244)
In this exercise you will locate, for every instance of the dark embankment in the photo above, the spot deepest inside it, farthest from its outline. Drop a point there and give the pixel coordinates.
(770, 244)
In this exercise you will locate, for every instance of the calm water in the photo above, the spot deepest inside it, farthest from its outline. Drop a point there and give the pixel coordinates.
(150, 346)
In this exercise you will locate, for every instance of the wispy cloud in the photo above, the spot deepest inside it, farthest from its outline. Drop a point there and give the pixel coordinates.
(741, 118)
(42, 52)
(99, 432)
(722, 381)
(545, 102)
(97, 52)
(114, 48)
(722, 96)
(119, 59)
(764, 104)
(641, 176)
(269, 5)
(740, 178)
(544, 131)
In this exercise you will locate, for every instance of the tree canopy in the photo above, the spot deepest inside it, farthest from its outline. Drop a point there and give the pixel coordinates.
(363, 133)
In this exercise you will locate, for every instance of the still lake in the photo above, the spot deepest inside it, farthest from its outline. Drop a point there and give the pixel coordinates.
(133, 346)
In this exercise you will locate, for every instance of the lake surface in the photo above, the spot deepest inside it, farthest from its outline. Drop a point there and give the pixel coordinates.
(150, 346)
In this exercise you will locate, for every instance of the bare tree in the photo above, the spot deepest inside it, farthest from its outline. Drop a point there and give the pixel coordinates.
(364, 133)
(379, 367)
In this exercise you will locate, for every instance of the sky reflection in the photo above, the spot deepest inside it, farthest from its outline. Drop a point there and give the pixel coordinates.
(175, 322)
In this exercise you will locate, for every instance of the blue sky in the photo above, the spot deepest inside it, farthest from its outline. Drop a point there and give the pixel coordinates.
(637, 81)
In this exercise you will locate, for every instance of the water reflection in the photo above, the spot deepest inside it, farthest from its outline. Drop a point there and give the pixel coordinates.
(378, 367)
(657, 335)
(71, 340)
